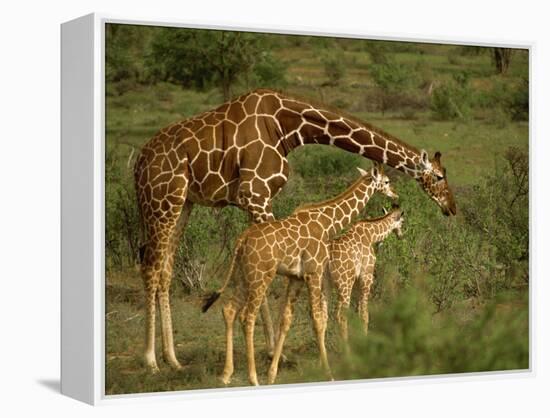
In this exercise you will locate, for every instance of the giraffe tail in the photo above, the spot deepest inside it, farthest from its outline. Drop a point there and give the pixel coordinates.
(210, 299)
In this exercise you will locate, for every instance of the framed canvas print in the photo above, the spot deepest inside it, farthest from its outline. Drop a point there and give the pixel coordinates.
(253, 206)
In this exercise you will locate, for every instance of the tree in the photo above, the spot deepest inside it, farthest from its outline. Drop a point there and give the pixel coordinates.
(199, 58)
(501, 58)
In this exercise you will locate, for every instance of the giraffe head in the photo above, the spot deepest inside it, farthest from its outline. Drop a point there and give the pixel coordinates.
(380, 181)
(396, 216)
(433, 179)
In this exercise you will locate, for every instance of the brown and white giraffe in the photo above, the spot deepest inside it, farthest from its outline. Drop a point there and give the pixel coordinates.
(352, 258)
(236, 155)
(296, 247)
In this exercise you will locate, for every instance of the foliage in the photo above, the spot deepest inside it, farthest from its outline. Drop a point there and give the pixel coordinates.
(122, 44)
(269, 71)
(452, 99)
(122, 225)
(197, 58)
(407, 339)
(391, 78)
(499, 212)
(335, 68)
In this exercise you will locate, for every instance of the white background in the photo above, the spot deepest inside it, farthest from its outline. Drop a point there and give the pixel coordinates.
(29, 203)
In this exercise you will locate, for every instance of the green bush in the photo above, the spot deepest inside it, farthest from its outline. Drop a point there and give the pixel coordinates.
(334, 67)
(391, 78)
(498, 210)
(406, 339)
(519, 101)
(452, 99)
(122, 231)
(269, 72)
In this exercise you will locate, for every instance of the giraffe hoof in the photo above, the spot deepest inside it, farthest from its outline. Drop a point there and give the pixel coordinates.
(225, 380)
(176, 365)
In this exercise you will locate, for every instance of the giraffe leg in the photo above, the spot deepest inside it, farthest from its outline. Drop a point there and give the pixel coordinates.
(317, 301)
(229, 311)
(164, 289)
(293, 290)
(160, 216)
(342, 319)
(343, 287)
(260, 209)
(248, 318)
(151, 280)
(155, 285)
(267, 327)
(365, 282)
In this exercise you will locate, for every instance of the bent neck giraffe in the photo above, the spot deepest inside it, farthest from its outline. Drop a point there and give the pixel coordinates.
(352, 257)
(296, 247)
(236, 155)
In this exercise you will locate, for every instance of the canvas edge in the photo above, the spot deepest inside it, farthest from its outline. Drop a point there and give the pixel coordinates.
(78, 127)
(99, 397)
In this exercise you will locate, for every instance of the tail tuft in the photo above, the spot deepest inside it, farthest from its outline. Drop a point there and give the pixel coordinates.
(141, 253)
(210, 300)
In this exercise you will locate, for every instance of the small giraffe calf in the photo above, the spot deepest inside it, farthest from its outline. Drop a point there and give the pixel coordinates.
(352, 257)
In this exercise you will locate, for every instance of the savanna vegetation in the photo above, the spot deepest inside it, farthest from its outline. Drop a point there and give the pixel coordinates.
(451, 297)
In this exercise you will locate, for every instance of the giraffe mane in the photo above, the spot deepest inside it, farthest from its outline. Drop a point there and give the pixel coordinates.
(377, 219)
(341, 196)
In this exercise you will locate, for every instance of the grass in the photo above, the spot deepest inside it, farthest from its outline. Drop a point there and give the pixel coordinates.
(406, 336)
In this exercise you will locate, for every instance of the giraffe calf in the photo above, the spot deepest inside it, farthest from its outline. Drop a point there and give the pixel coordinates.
(352, 258)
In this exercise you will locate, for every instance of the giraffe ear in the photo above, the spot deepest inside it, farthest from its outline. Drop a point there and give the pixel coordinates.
(437, 156)
(424, 159)
(375, 171)
(362, 172)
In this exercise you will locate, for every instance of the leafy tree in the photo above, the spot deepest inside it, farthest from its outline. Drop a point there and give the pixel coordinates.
(124, 46)
(198, 58)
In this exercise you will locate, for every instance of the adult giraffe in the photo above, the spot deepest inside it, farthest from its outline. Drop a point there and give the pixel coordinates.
(236, 155)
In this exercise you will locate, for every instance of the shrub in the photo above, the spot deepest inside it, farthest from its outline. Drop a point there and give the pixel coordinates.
(406, 339)
(498, 209)
(519, 101)
(451, 100)
(269, 71)
(335, 68)
(121, 212)
(392, 79)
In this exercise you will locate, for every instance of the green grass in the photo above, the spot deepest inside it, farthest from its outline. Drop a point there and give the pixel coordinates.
(407, 336)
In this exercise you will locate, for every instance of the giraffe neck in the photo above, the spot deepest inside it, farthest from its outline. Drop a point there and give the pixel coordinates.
(337, 213)
(301, 123)
(377, 230)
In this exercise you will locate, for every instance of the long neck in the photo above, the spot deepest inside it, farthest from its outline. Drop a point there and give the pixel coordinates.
(302, 123)
(337, 213)
(378, 229)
